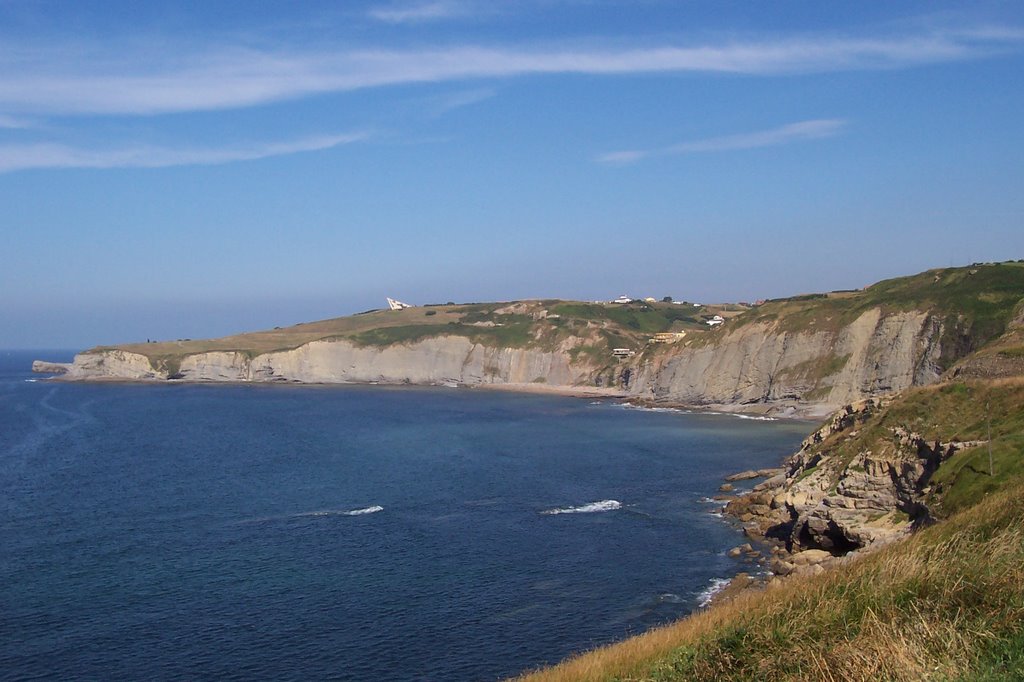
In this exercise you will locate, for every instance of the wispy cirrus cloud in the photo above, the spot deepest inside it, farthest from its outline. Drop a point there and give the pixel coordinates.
(442, 104)
(15, 123)
(52, 155)
(786, 134)
(418, 12)
(61, 82)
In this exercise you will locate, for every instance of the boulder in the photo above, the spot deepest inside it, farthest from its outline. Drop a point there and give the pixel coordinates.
(810, 556)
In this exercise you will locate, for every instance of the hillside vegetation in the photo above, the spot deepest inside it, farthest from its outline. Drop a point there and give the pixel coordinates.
(974, 303)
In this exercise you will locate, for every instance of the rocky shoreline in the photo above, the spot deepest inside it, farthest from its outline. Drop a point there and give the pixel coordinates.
(843, 494)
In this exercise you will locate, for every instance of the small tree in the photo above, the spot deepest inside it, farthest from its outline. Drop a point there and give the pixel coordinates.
(667, 299)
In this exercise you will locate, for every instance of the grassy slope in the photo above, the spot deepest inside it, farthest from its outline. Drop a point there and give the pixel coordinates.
(975, 304)
(948, 603)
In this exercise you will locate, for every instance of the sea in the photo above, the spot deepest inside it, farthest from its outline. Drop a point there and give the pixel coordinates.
(241, 532)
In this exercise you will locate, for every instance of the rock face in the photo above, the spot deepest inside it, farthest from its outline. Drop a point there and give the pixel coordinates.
(44, 367)
(756, 363)
(837, 497)
(435, 360)
(750, 365)
(113, 364)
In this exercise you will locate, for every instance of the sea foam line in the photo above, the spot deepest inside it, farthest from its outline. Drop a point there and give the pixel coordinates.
(708, 594)
(644, 408)
(591, 508)
(341, 512)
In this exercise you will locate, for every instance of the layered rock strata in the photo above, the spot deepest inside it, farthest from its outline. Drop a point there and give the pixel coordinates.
(758, 364)
(435, 360)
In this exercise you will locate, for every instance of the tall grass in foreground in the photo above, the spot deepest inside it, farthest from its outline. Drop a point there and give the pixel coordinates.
(946, 604)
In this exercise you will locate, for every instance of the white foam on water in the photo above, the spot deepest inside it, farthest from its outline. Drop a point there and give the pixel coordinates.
(31, 381)
(756, 418)
(365, 510)
(709, 592)
(644, 408)
(340, 512)
(669, 598)
(591, 508)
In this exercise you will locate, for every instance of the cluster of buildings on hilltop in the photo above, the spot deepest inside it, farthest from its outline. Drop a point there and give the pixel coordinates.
(623, 300)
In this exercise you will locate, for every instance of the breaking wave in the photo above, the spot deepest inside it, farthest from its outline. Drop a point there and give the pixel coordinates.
(340, 512)
(365, 510)
(601, 506)
(709, 592)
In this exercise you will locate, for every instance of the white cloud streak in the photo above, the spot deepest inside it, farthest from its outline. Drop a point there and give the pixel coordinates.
(792, 132)
(55, 83)
(417, 13)
(456, 100)
(50, 155)
(15, 123)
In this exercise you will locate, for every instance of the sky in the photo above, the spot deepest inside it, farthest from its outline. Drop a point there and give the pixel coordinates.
(195, 169)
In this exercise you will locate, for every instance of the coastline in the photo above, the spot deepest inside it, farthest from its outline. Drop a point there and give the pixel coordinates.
(767, 411)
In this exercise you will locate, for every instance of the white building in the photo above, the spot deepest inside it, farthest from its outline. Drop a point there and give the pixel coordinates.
(623, 299)
(398, 305)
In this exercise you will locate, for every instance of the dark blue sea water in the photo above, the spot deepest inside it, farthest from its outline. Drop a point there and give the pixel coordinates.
(188, 532)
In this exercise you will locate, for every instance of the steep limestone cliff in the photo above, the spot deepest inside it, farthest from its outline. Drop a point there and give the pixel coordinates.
(434, 360)
(760, 363)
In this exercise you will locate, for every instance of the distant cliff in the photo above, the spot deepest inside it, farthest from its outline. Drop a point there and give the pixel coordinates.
(798, 355)
(434, 360)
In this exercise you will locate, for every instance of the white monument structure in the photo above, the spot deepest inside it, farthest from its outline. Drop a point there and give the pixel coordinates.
(398, 305)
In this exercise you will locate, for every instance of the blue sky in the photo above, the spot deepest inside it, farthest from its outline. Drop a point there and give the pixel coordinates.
(173, 170)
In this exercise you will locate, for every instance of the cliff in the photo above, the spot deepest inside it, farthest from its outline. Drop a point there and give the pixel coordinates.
(435, 360)
(763, 364)
(802, 355)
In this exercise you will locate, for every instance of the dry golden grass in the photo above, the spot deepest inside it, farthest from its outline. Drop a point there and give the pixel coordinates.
(947, 603)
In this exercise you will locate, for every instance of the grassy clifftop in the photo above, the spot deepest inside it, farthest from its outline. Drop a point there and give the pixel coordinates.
(975, 304)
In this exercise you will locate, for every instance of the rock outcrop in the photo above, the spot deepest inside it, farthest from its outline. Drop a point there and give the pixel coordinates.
(44, 367)
(841, 493)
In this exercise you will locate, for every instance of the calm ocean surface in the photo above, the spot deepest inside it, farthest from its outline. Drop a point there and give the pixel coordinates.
(363, 533)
